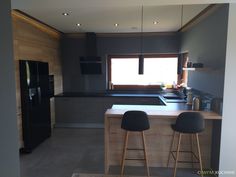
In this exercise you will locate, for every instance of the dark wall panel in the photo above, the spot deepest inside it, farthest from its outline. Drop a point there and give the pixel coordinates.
(9, 153)
(206, 43)
(73, 48)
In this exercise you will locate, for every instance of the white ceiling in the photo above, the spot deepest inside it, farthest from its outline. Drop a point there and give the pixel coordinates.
(101, 15)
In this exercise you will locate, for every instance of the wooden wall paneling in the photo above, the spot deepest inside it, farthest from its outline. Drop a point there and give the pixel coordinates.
(36, 23)
(27, 31)
(33, 43)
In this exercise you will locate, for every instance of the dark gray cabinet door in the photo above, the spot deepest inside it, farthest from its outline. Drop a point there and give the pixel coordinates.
(92, 109)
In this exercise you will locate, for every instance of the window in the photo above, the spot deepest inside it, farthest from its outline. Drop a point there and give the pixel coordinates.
(158, 69)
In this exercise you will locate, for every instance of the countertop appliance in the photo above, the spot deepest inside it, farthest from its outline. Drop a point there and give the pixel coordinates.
(196, 103)
(35, 103)
(189, 97)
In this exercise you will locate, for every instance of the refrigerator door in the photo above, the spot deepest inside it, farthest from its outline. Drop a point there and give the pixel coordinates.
(35, 104)
(44, 120)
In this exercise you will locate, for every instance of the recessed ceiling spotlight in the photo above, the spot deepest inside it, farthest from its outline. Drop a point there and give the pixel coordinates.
(65, 14)
(116, 24)
(155, 22)
(78, 24)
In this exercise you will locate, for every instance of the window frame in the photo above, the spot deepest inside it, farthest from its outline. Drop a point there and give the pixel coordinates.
(135, 56)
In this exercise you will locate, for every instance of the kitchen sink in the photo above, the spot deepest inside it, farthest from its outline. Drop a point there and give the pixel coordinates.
(173, 98)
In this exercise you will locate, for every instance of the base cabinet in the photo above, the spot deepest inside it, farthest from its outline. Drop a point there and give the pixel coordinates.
(69, 110)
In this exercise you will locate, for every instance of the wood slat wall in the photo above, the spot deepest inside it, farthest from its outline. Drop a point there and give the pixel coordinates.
(33, 43)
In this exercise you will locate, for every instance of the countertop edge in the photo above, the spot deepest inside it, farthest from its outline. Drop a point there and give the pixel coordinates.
(171, 114)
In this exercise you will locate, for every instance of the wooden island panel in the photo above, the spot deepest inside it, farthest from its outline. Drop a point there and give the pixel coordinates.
(158, 139)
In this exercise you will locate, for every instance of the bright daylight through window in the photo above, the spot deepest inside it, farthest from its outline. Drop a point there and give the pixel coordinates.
(157, 71)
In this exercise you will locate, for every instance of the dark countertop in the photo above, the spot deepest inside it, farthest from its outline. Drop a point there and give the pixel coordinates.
(165, 97)
(105, 94)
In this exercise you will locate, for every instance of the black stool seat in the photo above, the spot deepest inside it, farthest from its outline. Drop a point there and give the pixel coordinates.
(135, 121)
(189, 122)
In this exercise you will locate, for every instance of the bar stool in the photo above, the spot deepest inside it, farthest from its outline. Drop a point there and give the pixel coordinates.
(187, 123)
(134, 121)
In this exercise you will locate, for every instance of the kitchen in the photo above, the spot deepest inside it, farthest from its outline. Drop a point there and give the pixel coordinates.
(212, 81)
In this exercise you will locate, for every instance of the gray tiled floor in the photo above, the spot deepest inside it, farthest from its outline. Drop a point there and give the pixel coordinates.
(76, 150)
(67, 150)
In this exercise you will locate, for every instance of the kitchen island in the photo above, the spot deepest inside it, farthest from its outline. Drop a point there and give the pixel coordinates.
(158, 137)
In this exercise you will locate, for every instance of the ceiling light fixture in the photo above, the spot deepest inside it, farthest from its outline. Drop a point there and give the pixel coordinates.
(116, 24)
(155, 22)
(65, 14)
(141, 58)
(78, 24)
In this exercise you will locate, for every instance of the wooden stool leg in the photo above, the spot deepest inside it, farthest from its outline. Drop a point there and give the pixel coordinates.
(177, 154)
(191, 144)
(124, 153)
(199, 154)
(171, 147)
(145, 153)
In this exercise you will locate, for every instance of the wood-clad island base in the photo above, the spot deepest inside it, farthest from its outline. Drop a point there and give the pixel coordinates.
(158, 140)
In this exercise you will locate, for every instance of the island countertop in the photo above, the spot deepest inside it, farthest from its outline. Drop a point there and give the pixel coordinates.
(170, 110)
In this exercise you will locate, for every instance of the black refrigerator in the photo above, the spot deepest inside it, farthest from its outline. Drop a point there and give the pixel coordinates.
(35, 103)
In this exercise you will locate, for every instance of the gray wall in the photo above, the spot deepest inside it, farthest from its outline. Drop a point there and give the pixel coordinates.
(72, 48)
(206, 43)
(9, 157)
(228, 143)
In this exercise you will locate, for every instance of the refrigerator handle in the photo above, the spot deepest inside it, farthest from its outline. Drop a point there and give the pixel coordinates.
(28, 74)
(39, 94)
(30, 94)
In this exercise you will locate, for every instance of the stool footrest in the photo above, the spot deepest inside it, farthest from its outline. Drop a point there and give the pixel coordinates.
(134, 149)
(134, 159)
(181, 161)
